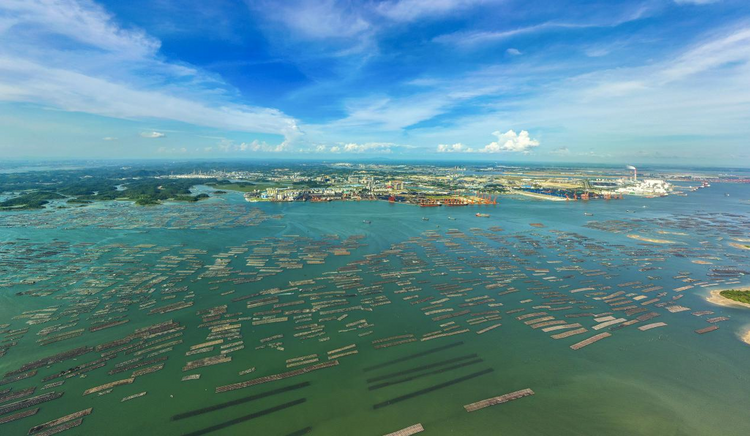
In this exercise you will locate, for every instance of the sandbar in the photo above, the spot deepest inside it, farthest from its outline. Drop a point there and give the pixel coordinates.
(717, 299)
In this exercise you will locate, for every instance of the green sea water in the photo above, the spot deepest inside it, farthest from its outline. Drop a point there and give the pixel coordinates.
(665, 381)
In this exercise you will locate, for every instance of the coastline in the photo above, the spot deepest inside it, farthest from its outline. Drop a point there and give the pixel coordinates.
(717, 299)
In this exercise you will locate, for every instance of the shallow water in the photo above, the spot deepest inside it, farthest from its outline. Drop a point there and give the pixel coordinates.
(667, 380)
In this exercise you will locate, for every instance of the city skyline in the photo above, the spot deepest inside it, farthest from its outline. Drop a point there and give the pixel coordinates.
(660, 81)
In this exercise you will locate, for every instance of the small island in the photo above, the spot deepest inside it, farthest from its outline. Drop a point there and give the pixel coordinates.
(730, 297)
(733, 298)
(736, 295)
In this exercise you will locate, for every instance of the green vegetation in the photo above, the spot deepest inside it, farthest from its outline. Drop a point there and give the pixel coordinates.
(241, 186)
(739, 296)
(190, 198)
(33, 200)
(260, 185)
(81, 187)
(146, 201)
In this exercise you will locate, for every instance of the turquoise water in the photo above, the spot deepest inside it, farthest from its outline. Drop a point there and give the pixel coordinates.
(667, 380)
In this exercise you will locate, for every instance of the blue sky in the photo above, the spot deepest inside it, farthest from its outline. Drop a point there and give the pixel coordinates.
(641, 81)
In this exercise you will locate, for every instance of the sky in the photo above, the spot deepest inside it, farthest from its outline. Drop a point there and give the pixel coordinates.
(632, 81)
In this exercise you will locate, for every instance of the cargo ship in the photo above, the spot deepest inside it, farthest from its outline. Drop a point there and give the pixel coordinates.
(483, 215)
(426, 202)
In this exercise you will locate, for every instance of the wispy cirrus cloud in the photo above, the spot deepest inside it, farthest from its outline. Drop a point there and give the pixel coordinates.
(695, 2)
(477, 37)
(342, 28)
(318, 19)
(72, 55)
(687, 101)
(410, 10)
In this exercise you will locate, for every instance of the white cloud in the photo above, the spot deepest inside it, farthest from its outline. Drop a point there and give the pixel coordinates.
(229, 146)
(695, 2)
(410, 10)
(153, 134)
(477, 37)
(392, 113)
(370, 147)
(380, 113)
(109, 138)
(455, 148)
(319, 19)
(107, 70)
(173, 150)
(694, 102)
(353, 147)
(560, 151)
(510, 141)
(469, 38)
(83, 21)
(723, 50)
(513, 51)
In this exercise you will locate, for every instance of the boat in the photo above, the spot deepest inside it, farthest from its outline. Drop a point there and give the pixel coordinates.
(367, 221)
(451, 218)
(424, 218)
(588, 214)
(483, 215)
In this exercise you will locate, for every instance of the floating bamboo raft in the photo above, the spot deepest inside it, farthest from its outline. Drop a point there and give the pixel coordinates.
(653, 325)
(61, 428)
(208, 361)
(590, 340)
(19, 415)
(134, 396)
(125, 381)
(569, 333)
(275, 377)
(408, 431)
(28, 402)
(498, 400)
(61, 420)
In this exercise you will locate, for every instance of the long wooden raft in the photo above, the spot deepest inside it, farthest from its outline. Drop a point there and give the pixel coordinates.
(590, 340)
(408, 431)
(498, 400)
(274, 377)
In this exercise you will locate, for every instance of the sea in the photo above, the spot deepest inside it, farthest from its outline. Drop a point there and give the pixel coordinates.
(365, 318)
